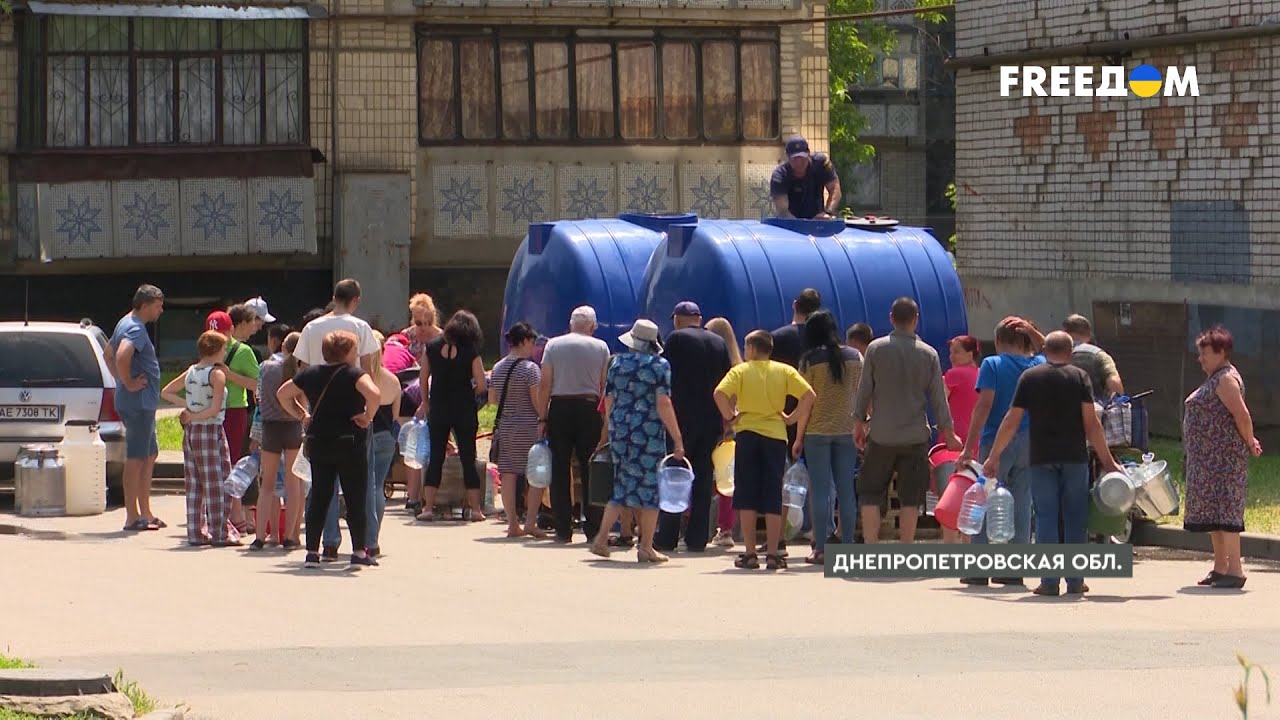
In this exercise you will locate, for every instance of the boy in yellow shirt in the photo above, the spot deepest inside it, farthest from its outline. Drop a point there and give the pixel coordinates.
(751, 398)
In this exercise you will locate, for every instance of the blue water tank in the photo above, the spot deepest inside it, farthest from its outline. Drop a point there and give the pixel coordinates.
(561, 265)
(749, 272)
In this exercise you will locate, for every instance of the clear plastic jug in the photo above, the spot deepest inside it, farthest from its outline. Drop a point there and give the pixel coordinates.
(538, 470)
(415, 443)
(973, 508)
(241, 476)
(1000, 515)
(302, 471)
(795, 485)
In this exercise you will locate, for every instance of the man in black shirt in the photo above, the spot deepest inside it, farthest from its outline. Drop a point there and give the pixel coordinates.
(788, 341)
(699, 361)
(798, 184)
(1059, 399)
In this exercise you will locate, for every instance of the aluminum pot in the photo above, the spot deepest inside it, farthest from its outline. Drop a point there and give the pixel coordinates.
(1157, 496)
(1113, 493)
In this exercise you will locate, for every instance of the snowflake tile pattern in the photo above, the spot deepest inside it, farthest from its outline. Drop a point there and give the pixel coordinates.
(523, 196)
(756, 200)
(215, 217)
(903, 120)
(647, 188)
(877, 120)
(27, 222)
(460, 200)
(76, 220)
(587, 191)
(710, 190)
(281, 215)
(146, 218)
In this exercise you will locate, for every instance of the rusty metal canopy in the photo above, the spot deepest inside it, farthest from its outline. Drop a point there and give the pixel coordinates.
(190, 12)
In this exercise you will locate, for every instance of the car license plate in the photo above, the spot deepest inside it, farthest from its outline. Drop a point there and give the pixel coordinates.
(31, 413)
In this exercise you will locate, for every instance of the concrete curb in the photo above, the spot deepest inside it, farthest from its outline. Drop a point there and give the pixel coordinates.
(168, 471)
(1252, 545)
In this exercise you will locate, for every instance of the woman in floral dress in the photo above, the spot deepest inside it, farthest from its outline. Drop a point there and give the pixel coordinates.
(638, 405)
(1217, 432)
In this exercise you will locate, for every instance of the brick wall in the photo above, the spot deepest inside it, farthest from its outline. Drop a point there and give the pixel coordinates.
(1064, 201)
(903, 178)
(8, 133)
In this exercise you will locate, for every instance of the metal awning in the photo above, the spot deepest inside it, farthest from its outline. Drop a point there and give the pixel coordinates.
(189, 12)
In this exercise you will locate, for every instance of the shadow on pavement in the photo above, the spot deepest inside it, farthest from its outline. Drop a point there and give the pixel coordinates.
(1199, 590)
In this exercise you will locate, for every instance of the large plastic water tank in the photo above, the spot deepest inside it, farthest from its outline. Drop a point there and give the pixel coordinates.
(749, 272)
(601, 263)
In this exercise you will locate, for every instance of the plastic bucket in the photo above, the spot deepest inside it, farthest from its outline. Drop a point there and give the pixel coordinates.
(942, 463)
(675, 485)
(600, 478)
(947, 511)
(722, 461)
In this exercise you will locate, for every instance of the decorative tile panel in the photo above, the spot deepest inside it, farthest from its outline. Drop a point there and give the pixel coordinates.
(75, 220)
(460, 199)
(27, 221)
(756, 200)
(524, 195)
(587, 191)
(710, 190)
(647, 188)
(214, 217)
(877, 120)
(903, 120)
(861, 185)
(146, 218)
(282, 215)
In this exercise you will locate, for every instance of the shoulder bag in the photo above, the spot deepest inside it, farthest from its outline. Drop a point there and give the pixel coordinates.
(502, 401)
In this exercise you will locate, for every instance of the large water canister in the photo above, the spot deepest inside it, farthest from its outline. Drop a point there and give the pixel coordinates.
(86, 460)
(750, 271)
(601, 263)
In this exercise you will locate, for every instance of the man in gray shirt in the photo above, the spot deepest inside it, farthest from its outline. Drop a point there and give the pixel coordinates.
(901, 377)
(573, 367)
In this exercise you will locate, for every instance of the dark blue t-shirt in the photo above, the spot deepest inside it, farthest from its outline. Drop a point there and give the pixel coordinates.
(144, 363)
(804, 194)
(1000, 374)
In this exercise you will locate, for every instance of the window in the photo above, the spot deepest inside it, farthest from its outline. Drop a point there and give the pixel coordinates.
(899, 69)
(32, 359)
(116, 81)
(599, 86)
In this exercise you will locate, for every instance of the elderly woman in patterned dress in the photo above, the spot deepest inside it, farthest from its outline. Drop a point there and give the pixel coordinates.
(1217, 432)
(640, 413)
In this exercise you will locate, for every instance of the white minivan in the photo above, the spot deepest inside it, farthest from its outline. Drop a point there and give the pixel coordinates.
(52, 372)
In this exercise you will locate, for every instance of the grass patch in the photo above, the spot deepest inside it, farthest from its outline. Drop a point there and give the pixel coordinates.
(13, 663)
(141, 701)
(1262, 504)
(169, 433)
(487, 414)
(15, 715)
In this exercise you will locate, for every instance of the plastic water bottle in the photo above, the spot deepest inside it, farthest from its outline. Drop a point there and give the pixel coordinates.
(795, 485)
(973, 509)
(1000, 521)
(242, 476)
(302, 471)
(415, 444)
(538, 470)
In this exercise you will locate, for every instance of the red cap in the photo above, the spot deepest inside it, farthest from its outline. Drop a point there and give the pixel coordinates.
(219, 321)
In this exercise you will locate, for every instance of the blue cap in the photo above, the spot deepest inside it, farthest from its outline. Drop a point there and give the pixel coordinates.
(687, 308)
(797, 146)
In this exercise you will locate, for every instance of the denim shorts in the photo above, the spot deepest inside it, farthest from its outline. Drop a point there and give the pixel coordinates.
(139, 434)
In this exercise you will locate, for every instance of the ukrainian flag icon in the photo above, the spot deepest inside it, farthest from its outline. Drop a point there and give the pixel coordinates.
(1145, 81)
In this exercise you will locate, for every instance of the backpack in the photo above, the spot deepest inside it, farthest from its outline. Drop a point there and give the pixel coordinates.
(1085, 356)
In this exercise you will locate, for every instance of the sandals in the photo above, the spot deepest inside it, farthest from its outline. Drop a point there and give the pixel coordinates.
(747, 561)
(426, 516)
(154, 523)
(622, 542)
(775, 562)
(414, 506)
(470, 515)
(139, 525)
(816, 558)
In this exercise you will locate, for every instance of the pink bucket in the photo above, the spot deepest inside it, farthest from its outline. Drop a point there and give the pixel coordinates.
(947, 513)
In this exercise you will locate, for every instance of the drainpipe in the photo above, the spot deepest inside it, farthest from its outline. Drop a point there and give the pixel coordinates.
(334, 162)
(1112, 47)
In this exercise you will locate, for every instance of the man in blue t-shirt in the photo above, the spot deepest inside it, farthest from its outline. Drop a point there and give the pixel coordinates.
(137, 371)
(797, 185)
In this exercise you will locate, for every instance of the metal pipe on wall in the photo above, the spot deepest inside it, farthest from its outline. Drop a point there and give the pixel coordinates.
(1112, 47)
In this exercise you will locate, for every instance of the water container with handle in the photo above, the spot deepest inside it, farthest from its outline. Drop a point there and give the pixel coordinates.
(722, 459)
(792, 523)
(415, 443)
(1000, 515)
(947, 511)
(973, 508)
(675, 484)
(85, 455)
(302, 471)
(795, 485)
(600, 478)
(538, 470)
(241, 476)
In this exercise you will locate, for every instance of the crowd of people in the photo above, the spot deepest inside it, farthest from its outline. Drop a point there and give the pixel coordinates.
(856, 408)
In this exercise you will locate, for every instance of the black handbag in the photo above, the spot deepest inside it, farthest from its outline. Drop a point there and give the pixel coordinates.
(502, 401)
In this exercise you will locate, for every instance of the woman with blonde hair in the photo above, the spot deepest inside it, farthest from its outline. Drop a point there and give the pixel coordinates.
(725, 516)
(423, 328)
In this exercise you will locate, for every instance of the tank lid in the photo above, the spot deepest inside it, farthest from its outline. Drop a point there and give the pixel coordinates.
(812, 228)
(870, 222)
(658, 223)
(539, 234)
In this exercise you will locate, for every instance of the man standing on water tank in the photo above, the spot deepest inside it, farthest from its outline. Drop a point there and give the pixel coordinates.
(798, 184)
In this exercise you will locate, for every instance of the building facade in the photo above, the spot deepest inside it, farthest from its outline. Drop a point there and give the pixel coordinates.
(226, 152)
(1156, 216)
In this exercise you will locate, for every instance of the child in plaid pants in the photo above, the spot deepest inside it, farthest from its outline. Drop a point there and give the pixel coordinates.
(206, 454)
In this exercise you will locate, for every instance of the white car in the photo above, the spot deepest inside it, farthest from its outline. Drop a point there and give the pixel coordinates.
(52, 372)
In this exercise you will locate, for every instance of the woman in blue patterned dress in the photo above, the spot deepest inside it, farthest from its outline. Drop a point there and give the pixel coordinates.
(638, 405)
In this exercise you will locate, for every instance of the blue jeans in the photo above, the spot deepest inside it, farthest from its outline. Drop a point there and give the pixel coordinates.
(833, 463)
(1061, 488)
(382, 450)
(1014, 465)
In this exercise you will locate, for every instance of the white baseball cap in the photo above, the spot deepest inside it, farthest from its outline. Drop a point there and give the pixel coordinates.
(259, 307)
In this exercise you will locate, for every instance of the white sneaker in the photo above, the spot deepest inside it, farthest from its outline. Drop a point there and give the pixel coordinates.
(723, 539)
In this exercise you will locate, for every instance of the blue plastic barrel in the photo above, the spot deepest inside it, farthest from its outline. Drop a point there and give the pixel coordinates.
(749, 272)
(561, 265)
